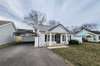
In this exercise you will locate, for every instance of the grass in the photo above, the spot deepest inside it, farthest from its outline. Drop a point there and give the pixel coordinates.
(7, 45)
(4, 46)
(81, 55)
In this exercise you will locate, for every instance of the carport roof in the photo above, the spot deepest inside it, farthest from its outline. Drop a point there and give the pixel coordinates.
(23, 31)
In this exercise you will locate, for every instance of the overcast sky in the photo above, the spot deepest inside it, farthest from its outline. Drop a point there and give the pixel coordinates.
(68, 12)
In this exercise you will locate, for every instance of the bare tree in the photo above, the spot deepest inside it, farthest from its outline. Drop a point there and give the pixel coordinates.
(43, 19)
(75, 29)
(89, 26)
(53, 22)
(35, 18)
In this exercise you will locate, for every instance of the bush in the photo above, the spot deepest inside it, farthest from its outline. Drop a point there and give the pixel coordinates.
(74, 42)
(84, 40)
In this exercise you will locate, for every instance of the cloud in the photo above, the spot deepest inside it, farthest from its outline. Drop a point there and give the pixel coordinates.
(69, 12)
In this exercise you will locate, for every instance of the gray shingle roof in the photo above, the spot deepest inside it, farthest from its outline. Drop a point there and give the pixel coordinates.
(48, 27)
(42, 27)
(58, 25)
(3, 22)
(95, 32)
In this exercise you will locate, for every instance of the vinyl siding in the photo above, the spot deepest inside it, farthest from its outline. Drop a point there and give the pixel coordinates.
(6, 33)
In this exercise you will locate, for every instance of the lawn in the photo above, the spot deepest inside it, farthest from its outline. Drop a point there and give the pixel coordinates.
(81, 55)
(4, 46)
(7, 45)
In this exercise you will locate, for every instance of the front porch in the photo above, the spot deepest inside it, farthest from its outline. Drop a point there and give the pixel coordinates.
(56, 39)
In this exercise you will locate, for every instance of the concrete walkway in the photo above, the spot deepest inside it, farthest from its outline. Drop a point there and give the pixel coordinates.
(27, 55)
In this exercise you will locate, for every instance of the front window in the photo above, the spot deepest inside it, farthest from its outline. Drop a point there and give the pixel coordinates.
(94, 37)
(99, 37)
(45, 38)
(63, 37)
(88, 36)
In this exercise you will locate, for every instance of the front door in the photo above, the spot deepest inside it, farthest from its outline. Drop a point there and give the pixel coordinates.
(57, 38)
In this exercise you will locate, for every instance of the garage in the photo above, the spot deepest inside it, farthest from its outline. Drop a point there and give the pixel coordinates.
(6, 32)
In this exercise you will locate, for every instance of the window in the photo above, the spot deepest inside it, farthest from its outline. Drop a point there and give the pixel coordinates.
(45, 38)
(88, 36)
(53, 37)
(99, 37)
(63, 37)
(94, 37)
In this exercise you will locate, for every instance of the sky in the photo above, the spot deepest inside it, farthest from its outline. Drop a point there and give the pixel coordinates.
(68, 12)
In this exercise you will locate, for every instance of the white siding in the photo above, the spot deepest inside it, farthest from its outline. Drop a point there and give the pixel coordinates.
(86, 33)
(6, 33)
(76, 37)
(41, 40)
(59, 29)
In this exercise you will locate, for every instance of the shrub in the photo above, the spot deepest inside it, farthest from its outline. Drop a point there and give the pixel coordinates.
(74, 42)
(84, 40)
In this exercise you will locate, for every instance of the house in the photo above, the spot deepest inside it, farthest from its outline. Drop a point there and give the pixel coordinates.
(6, 32)
(51, 35)
(24, 35)
(89, 35)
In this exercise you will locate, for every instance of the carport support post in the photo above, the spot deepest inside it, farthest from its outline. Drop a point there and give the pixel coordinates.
(67, 39)
(36, 41)
(50, 41)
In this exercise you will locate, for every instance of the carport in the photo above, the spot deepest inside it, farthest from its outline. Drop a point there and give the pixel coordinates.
(24, 36)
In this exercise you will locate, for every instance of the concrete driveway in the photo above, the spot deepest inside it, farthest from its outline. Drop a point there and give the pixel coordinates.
(27, 55)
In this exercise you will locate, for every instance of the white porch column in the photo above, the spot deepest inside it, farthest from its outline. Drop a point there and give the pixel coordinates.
(50, 40)
(61, 38)
(67, 38)
(47, 40)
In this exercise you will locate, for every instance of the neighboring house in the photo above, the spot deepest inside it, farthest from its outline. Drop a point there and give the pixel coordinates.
(6, 32)
(76, 37)
(24, 35)
(51, 35)
(88, 35)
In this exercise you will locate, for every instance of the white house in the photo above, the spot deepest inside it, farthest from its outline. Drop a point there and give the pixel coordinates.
(89, 35)
(6, 32)
(51, 35)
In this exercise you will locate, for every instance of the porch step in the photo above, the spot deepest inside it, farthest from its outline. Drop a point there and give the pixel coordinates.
(54, 47)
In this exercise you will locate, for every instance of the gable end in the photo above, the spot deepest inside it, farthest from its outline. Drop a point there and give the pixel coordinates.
(57, 26)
